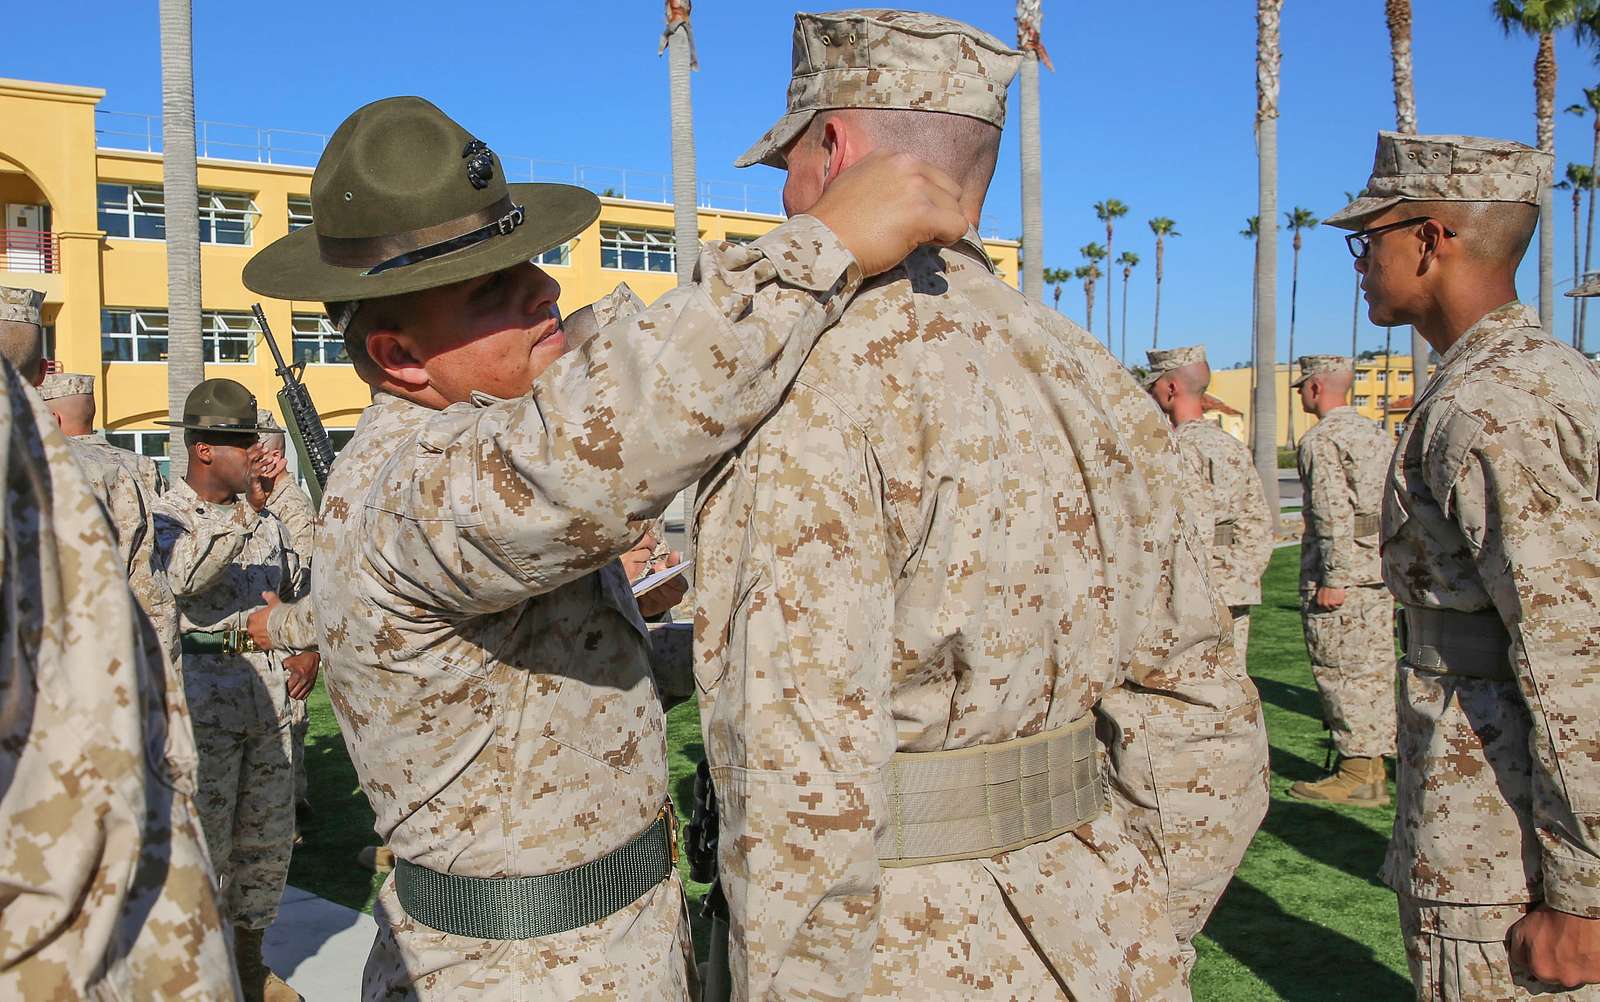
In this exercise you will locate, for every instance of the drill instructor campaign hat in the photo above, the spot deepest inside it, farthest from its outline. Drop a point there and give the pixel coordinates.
(404, 199)
(888, 59)
(219, 405)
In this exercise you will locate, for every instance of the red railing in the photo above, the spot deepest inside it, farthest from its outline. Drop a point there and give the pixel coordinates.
(31, 251)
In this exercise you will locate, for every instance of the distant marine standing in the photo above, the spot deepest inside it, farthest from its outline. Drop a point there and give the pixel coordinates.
(1229, 500)
(1491, 541)
(1347, 613)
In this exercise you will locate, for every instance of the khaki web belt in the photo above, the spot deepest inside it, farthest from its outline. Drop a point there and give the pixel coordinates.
(1222, 535)
(974, 803)
(528, 907)
(230, 641)
(1367, 525)
(1470, 644)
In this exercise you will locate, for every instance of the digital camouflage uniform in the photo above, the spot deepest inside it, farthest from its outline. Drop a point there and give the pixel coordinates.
(1230, 504)
(219, 558)
(486, 660)
(964, 525)
(109, 892)
(1489, 512)
(1344, 459)
(293, 508)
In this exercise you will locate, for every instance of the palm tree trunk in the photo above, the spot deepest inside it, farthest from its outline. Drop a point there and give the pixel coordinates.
(1255, 300)
(1269, 59)
(185, 350)
(1127, 273)
(1088, 307)
(1388, 336)
(1155, 334)
(1294, 300)
(685, 186)
(1588, 240)
(1544, 91)
(1355, 319)
(1398, 13)
(1577, 208)
(1110, 285)
(1032, 184)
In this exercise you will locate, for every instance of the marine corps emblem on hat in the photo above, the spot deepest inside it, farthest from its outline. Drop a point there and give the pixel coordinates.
(1446, 169)
(1316, 365)
(404, 199)
(220, 405)
(20, 306)
(1165, 360)
(888, 59)
(67, 384)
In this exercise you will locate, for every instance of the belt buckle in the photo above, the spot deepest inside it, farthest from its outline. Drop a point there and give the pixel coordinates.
(236, 640)
(671, 817)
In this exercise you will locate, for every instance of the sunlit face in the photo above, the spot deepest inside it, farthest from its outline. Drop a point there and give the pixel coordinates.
(1308, 396)
(495, 333)
(1390, 271)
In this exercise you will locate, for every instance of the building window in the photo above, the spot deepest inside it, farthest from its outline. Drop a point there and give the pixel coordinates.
(741, 238)
(229, 337)
(1405, 375)
(560, 255)
(316, 342)
(1362, 400)
(227, 217)
(636, 249)
(299, 212)
(340, 437)
(133, 335)
(1383, 377)
(132, 211)
(155, 444)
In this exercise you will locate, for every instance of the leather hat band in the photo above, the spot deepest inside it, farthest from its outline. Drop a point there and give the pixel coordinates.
(380, 254)
(220, 422)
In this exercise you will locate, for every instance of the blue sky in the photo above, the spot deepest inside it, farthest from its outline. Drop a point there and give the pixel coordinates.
(1151, 102)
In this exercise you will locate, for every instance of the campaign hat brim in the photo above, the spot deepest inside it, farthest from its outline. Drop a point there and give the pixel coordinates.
(230, 429)
(292, 267)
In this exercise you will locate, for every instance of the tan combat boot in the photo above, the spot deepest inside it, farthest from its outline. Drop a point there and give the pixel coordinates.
(1360, 782)
(377, 858)
(259, 982)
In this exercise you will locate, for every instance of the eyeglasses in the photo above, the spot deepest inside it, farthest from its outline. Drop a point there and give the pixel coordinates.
(1360, 242)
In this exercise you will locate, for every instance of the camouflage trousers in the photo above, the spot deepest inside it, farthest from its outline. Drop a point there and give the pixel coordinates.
(245, 782)
(1241, 635)
(1457, 953)
(299, 723)
(642, 952)
(1353, 662)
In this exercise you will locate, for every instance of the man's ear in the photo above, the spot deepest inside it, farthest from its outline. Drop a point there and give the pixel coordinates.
(1431, 235)
(391, 352)
(202, 453)
(838, 147)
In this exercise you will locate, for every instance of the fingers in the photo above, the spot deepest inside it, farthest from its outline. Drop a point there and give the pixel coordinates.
(271, 598)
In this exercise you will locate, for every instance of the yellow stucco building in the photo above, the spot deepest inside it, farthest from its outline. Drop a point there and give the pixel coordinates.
(84, 223)
(1373, 377)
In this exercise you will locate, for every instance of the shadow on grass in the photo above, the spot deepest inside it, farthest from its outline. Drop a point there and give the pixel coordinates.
(1300, 960)
(325, 863)
(1288, 696)
(1330, 836)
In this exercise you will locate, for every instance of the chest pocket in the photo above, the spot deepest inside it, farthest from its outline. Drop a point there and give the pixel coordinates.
(607, 707)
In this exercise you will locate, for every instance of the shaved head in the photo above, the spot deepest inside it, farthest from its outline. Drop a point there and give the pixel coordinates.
(1490, 231)
(23, 346)
(74, 413)
(272, 441)
(1192, 378)
(1335, 384)
(963, 147)
(1181, 393)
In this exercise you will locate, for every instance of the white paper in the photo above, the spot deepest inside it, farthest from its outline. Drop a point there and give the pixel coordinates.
(650, 582)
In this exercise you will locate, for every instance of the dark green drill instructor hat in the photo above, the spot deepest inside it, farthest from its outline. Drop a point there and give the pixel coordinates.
(219, 405)
(404, 199)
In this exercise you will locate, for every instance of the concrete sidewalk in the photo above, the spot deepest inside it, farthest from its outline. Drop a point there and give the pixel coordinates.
(319, 947)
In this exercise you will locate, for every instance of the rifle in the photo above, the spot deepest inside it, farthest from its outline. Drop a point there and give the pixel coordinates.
(300, 414)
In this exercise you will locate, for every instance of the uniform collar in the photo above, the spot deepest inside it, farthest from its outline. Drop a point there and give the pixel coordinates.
(1514, 315)
(971, 245)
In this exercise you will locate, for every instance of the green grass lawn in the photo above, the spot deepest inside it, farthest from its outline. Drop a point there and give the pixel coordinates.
(1305, 918)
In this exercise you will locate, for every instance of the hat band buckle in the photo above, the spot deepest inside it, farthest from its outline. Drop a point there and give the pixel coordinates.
(499, 228)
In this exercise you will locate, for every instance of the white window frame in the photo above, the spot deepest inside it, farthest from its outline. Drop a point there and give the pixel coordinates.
(658, 247)
(227, 207)
(138, 200)
(143, 324)
(562, 256)
(299, 212)
(219, 325)
(137, 445)
(308, 327)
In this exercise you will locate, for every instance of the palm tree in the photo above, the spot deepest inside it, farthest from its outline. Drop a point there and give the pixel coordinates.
(1090, 273)
(1579, 179)
(1298, 219)
(678, 41)
(1029, 19)
(1252, 233)
(186, 363)
(1109, 212)
(1163, 228)
(1541, 19)
(1398, 13)
(1590, 107)
(1355, 305)
(1269, 59)
(1129, 261)
(1055, 278)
